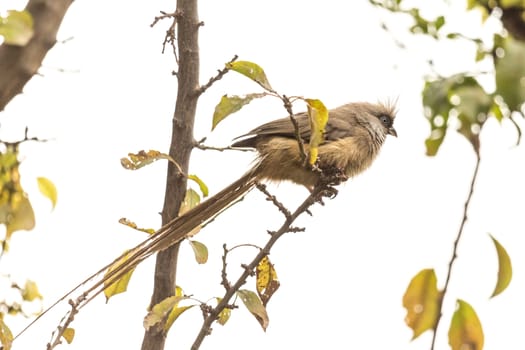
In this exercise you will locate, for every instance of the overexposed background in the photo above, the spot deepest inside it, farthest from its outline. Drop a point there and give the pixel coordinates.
(109, 91)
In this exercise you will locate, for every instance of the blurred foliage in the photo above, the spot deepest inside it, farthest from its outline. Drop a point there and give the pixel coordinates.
(16, 214)
(16, 27)
(460, 100)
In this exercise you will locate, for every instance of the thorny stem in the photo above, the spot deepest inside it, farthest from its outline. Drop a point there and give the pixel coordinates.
(455, 248)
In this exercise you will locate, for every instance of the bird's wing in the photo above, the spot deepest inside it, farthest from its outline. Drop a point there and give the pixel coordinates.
(335, 129)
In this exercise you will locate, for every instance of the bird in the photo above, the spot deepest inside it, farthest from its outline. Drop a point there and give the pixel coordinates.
(352, 139)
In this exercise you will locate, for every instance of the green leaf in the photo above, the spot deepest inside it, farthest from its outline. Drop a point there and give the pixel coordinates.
(318, 115)
(16, 27)
(48, 189)
(6, 337)
(510, 72)
(252, 71)
(504, 268)
(422, 300)
(159, 311)
(68, 335)
(231, 104)
(255, 306)
(120, 285)
(466, 97)
(266, 280)
(202, 185)
(465, 329)
(200, 251)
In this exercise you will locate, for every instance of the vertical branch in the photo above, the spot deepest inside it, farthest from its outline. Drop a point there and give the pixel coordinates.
(455, 248)
(181, 145)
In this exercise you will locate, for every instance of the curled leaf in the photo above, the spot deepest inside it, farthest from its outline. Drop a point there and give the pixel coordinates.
(174, 315)
(231, 104)
(142, 158)
(159, 311)
(48, 189)
(255, 306)
(421, 300)
(134, 226)
(202, 185)
(504, 268)
(266, 280)
(465, 328)
(318, 115)
(200, 251)
(252, 71)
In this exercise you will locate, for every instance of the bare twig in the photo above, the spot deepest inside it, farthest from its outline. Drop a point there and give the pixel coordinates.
(200, 145)
(273, 199)
(220, 74)
(455, 249)
(170, 37)
(288, 106)
(56, 336)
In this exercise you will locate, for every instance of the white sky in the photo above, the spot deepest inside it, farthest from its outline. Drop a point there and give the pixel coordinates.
(343, 279)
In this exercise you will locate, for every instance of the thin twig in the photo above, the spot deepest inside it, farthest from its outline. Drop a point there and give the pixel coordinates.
(220, 74)
(270, 197)
(288, 106)
(200, 145)
(455, 248)
(248, 270)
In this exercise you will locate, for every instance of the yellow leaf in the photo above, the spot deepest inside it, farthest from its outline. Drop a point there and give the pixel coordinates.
(134, 226)
(142, 158)
(191, 199)
(22, 215)
(465, 329)
(202, 185)
(6, 337)
(68, 335)
(504, 268)
(48, 189)
(200, 251)
(229, 105)
(421, 300)
(174, 315)
(224, 315)
(114, 287)
(266, 280)
(318, 115)
(17, 27)
(30, 291)
(160, 311)
(252, 71)
(254, 305)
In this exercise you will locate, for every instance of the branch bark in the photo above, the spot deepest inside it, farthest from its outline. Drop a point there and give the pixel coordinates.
(180, 149)
(18, 64)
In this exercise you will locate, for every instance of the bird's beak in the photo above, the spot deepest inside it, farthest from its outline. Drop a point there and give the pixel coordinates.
(392, 131)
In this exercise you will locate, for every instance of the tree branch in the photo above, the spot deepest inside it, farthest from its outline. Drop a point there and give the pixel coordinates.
(188, 24)
(18, 64)
(318, 192)
(455, 248)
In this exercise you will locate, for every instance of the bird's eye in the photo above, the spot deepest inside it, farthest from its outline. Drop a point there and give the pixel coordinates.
(385, 120)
